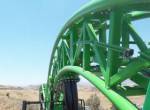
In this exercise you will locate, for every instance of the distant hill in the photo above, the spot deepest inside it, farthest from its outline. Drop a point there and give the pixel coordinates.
(34, 87)
(8, 87)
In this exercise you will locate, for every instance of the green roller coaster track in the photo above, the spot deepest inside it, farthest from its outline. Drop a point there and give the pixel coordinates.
(96, 44)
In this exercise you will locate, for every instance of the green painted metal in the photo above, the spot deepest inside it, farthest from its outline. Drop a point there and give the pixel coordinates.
(114, 39)
(95, 5)
(99, 84)
(100, 32)
(147, 99)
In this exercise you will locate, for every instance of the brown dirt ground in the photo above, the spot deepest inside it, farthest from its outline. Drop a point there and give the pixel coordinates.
(14, 101)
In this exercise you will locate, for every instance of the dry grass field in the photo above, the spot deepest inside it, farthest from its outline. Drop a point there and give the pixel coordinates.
(86, 92)
(11, 98)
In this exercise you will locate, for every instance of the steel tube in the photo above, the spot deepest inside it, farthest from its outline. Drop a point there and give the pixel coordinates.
(120, 102)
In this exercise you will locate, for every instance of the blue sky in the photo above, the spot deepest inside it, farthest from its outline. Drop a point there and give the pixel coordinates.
(28, 29)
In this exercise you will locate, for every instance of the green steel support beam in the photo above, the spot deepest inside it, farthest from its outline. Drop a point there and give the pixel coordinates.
(140, 43)
(73, 41)
(139, 15)
(147, 100)
(103, 37)
(78, 50)
(125, 33)
(64, 54)
(59, 57)
(67, 51)
(98, 52)
(86, 49)
(115, 98)
(140, 80)
(131, 69)
(130, 91)
(114, 39)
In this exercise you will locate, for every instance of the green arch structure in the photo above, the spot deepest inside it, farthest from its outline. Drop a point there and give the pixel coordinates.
(101, 32)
